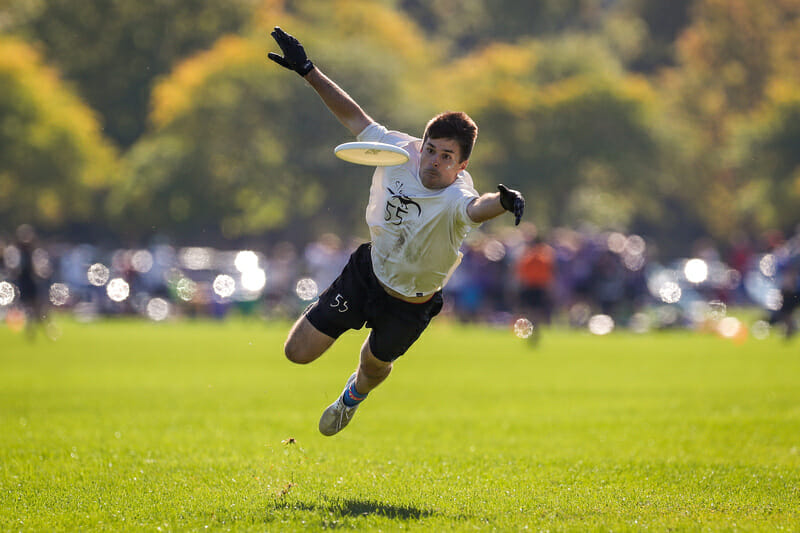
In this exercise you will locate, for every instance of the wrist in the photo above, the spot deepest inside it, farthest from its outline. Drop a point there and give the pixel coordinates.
(305, 68)
(506, 203)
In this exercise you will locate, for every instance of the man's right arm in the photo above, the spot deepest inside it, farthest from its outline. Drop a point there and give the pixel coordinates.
(339, 102)
(343, 107)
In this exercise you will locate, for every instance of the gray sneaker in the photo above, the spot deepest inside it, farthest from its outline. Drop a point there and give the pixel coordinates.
(337, 415)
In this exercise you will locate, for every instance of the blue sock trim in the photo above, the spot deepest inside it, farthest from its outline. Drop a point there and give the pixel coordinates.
(351, 397)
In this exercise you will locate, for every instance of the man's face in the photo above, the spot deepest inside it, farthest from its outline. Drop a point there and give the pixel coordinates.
(439, 163)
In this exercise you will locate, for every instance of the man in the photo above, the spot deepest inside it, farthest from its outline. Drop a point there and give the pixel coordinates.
(29, 281)
(535, 271)
(418, 214)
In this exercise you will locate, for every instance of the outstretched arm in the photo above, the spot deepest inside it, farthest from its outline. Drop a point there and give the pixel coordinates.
(493, 204)
(343, 107)
(339, 102)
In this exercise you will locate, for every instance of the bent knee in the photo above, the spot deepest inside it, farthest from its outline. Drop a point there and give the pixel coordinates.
(295, 352)
(305, 342)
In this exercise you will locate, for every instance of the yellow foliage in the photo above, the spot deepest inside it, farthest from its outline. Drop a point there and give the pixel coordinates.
(59, 114)
(499, 73)
(176, 93)
(49, 205)
(272, 13)
(782, 91)
(382, 25)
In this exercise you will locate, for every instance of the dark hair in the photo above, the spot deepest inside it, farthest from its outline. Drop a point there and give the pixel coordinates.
(453, 125)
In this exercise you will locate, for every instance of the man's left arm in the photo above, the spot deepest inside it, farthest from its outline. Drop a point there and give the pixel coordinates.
(492, 204)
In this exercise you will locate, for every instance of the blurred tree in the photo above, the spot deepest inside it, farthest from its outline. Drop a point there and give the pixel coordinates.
(54, 162)
(474, 24)
(663, 23)
(217, 163)
(559, 120)
(114, 50)
(769, 158)
(729, 56)
(236, 147)
(240, 146)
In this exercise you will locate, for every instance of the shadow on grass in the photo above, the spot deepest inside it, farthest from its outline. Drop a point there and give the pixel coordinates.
(363, 507)
(355, 507)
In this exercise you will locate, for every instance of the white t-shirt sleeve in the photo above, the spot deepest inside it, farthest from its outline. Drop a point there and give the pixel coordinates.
(462, 217)
(377, 133)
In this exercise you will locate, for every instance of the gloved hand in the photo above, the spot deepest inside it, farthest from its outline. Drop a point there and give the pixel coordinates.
(512, 201)
(294, 55)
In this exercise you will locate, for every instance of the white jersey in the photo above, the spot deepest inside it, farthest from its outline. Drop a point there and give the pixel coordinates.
(416, 232)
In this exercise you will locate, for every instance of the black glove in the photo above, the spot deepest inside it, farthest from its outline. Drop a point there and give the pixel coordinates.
(294, 56)
(512, 201)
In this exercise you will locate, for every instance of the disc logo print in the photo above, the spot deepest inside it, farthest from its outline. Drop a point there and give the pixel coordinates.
(398, 206)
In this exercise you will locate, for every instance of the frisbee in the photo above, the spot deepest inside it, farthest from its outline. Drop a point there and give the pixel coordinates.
(373, 154)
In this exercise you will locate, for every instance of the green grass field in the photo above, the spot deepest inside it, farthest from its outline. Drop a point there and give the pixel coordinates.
(125, 425)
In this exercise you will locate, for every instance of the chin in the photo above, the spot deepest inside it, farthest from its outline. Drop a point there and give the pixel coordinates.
(431, 184)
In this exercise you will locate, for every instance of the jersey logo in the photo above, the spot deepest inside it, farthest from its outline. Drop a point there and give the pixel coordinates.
(399, 205)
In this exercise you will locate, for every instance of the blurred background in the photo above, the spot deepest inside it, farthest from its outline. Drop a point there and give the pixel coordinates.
(154, 163)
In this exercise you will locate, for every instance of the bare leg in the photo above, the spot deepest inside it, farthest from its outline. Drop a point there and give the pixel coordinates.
(305, 342)
(371, 373)
(371, 370)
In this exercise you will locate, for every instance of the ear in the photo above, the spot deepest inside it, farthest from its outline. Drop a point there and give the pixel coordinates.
(463, 165)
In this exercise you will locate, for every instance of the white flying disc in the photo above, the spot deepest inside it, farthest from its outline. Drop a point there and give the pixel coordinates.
(371, 153)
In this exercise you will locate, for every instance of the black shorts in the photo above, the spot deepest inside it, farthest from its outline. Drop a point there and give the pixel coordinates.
(356, 298)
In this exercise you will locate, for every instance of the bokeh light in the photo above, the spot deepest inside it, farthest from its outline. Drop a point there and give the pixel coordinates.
(616, 242)
(142, 261)
(59, 294)
(732, 279)
(494, 250)
(224, 286)
(635, 245)
(761, 329)
(579, 314)
(7, 293)
(254, 280)
(695, 270)
(195, 258)
(717, 310)
(12, 257)
(306, 289)
(186, 289)
(730, 327)
(670, 292)
(246, 260)
(98, 274)
(523, 328)
(601, 324)
(118, 290)
(41, 263)
(633, 262)
(767, 265)
(773, 300)
(157, 309)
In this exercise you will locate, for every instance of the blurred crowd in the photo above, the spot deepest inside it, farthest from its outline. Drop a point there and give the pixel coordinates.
(516, 276)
